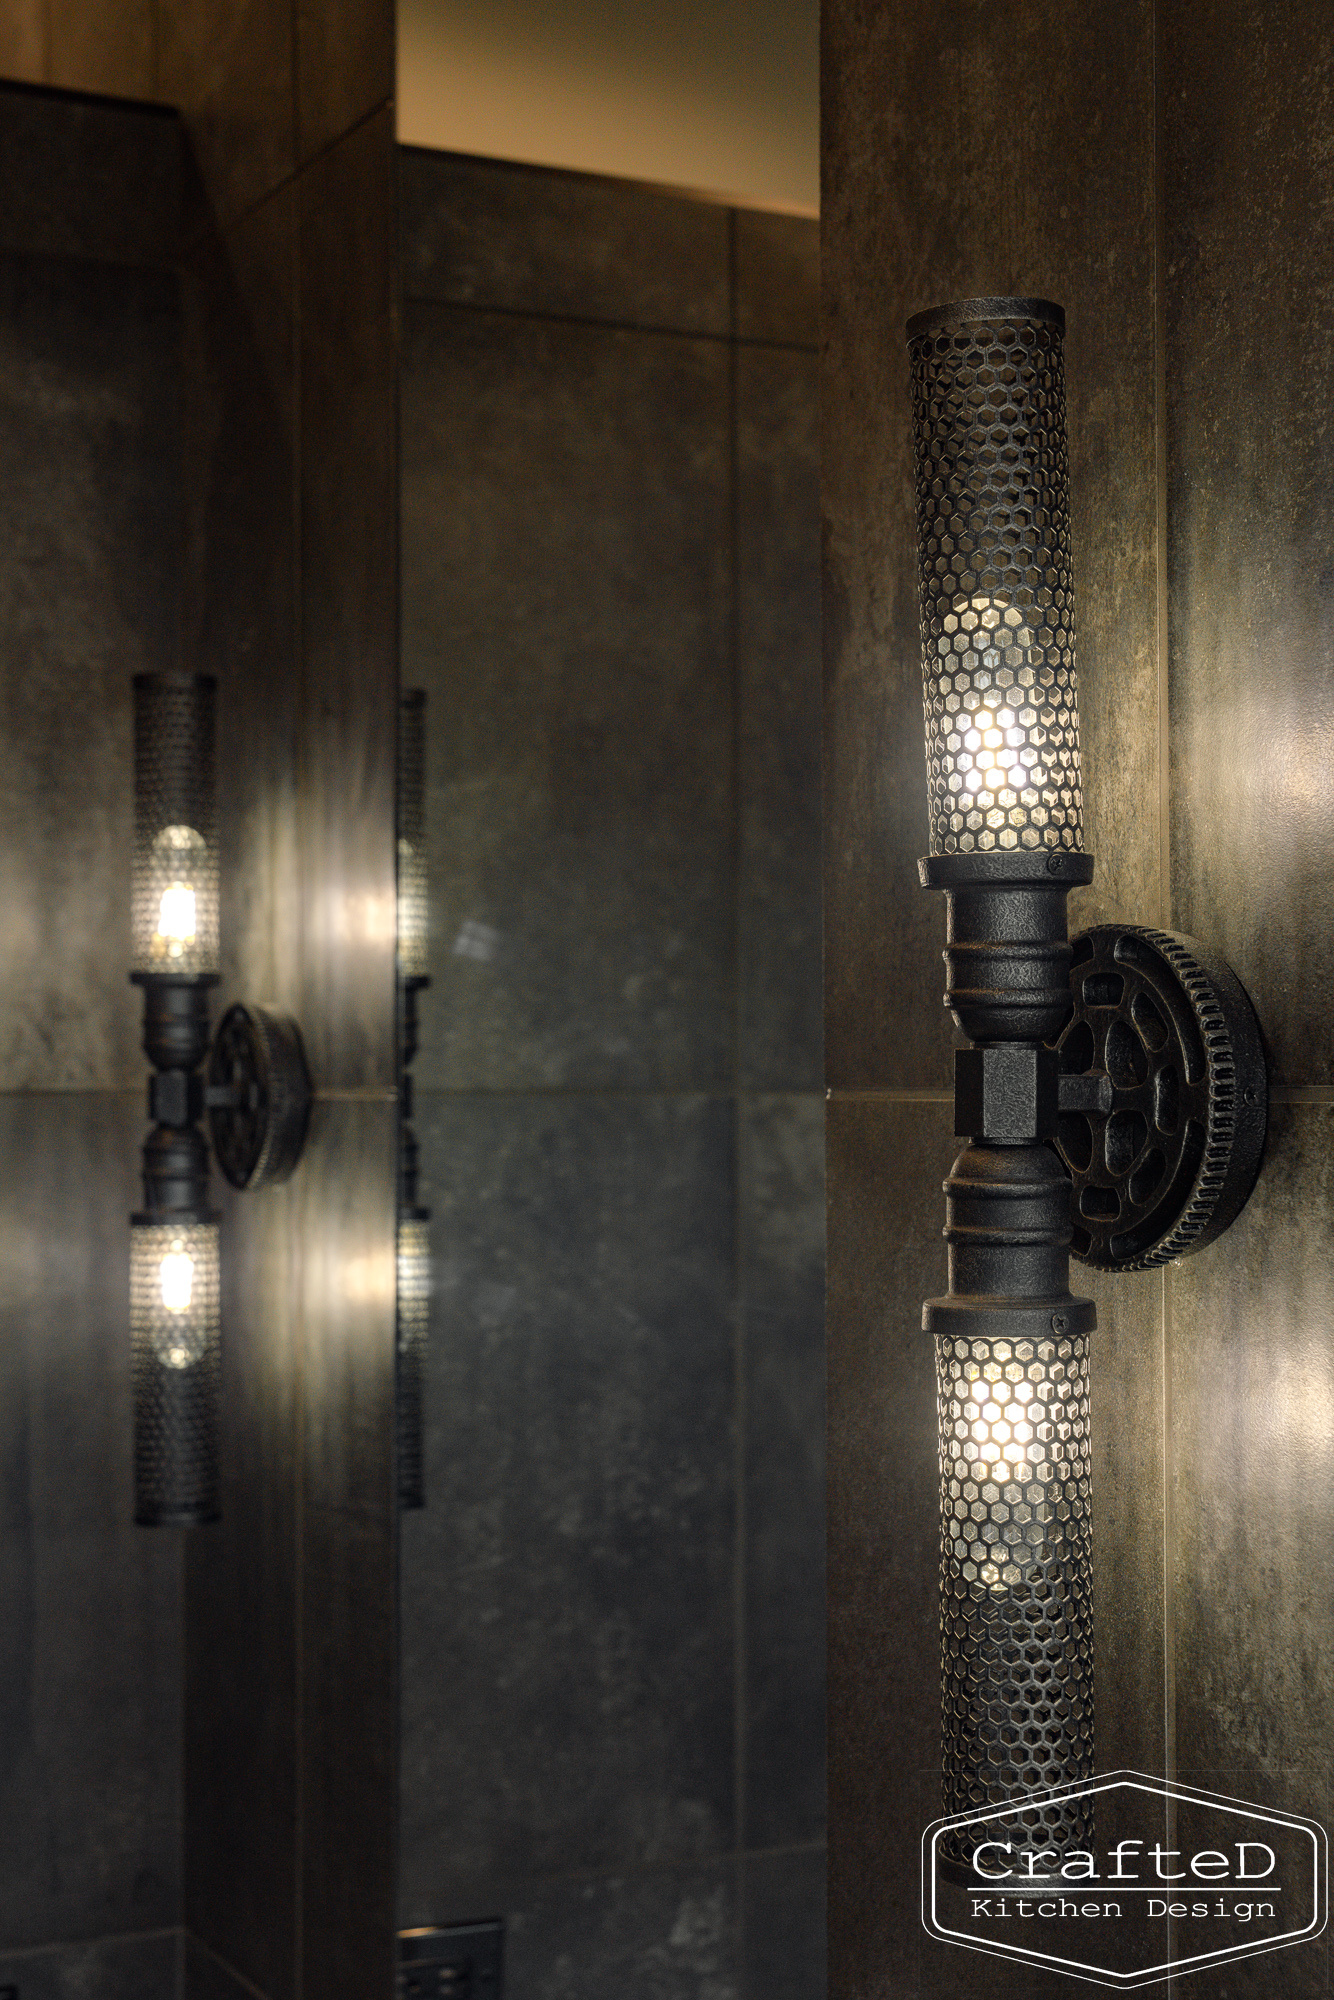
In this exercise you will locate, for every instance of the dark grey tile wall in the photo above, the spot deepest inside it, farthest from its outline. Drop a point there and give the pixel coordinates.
(147, 1967)
(612, 1603)
(90, 572)
(1247, 239)
(1192, 263)
(90, 1697)
(89, 374)
(565, 528)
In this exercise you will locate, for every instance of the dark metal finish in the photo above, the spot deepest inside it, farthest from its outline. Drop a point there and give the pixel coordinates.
(1012, 1350)
(1007, 955)
(994, 571)
(1163, 1031)
(175, 822)
(1012, 1344)
(258, 1097)
(177, 1371)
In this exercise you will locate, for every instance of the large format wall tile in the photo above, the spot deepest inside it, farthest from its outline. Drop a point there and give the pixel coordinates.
(779, 1045)
(781, 1222)
(565, 537)
(131, 1968)
(240, 616)
(777, 277)
(886, 1162)
(567, 1591)
(241, 1784)
(487, 233)
(913, 216)
(88, 382)
(348, 1726)
(1250, 346)
(90, 1698)
(1252, 1473)
(783, 1925)
(669, 1936)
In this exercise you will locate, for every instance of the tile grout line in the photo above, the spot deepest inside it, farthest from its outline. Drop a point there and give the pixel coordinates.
(728, 338)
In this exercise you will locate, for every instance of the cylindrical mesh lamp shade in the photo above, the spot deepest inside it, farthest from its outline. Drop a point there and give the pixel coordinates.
(414, 1304)
(1016, 1584)
(174, 898)
(174, 1330)
(996, 590)
(413, 927)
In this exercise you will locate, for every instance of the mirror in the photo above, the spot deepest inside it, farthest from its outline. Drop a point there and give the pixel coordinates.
(611, 1601)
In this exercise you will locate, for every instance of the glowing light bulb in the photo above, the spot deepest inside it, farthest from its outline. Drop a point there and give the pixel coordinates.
(176, 916)
(176, 1275)
(180, 858)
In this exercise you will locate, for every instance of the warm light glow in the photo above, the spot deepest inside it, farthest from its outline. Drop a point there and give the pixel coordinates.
(176, 1274)
(181, 854)
(176, 916)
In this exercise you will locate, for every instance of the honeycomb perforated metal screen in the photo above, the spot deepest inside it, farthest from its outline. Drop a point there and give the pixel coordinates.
(413, 914)
(414, 1309)
(175, 1330)
(1016, 1577)
(174, 896)
(994, 573)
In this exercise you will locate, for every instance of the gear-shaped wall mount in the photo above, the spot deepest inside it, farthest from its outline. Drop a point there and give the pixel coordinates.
(1163, 1161)
(258, 1096)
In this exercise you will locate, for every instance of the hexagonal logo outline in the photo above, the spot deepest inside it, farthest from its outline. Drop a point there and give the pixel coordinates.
(1162, 1790)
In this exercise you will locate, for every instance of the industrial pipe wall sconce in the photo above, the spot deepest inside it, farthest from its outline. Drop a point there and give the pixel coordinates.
(1115, 1097)
(413, 1227)
(257, 1097)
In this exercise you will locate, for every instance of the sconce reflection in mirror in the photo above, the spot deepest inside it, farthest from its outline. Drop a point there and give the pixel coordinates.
(257, 1097)
(414, 1248)
(1114, 1100)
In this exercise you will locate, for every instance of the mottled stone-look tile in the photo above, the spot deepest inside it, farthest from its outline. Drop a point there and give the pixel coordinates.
(110, 1968)
(487, 233)
(349, 607)
(779, 1045)
(82, 179)
(207, 1977)
(1252, 1474)
(783, 1920)
(782, 1228)
(566, 606)
(1250, 345)
(567, 1591)
(240, 1775)
(656, 1936)
(348, 1741)
(90, 1661)
(777, 277)
(906, 225)
(229, 69)
(886, 1163)
(239, 590)
(89, 361)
